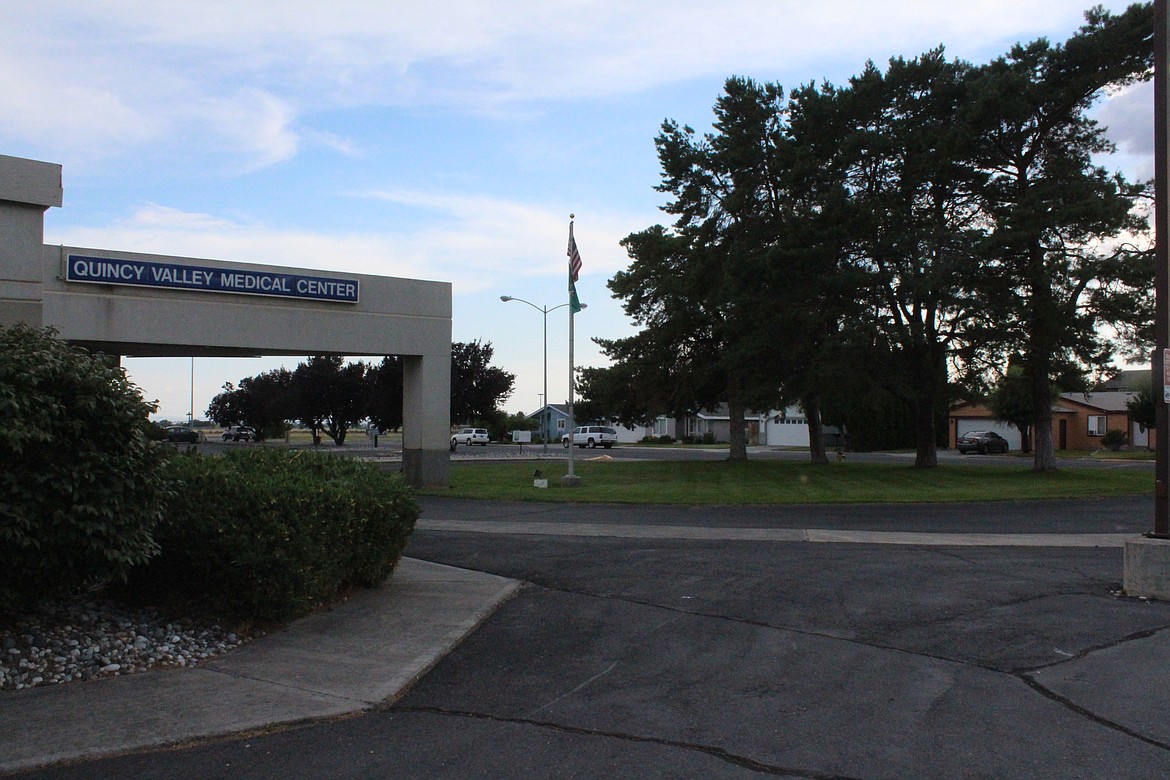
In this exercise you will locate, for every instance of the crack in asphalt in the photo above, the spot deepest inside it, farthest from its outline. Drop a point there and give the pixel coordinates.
(1021, 675)
(1085, 653)
(1072, 706)
(716, 752)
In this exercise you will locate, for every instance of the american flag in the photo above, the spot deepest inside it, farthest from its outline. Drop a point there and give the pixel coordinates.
(574, 256)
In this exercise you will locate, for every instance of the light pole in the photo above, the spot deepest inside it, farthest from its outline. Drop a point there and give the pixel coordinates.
(543, 310)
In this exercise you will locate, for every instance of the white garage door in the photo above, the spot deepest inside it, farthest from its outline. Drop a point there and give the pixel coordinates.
(1006, 430)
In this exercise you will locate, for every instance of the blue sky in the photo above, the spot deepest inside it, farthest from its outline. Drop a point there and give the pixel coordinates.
(442, 140)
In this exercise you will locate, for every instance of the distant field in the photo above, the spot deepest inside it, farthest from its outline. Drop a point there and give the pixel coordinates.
(783, 482)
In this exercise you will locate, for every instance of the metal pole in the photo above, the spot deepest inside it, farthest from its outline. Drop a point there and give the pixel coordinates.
(544, 310)
(544, 411)
(572, 422)
(1160, 363)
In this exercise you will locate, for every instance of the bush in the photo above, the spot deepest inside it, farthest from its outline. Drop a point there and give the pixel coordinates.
(81, 486)
(269, 534)
(1114, 439)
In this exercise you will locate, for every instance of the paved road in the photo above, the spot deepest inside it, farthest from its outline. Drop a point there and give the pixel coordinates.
(361, 446)
(716, 657)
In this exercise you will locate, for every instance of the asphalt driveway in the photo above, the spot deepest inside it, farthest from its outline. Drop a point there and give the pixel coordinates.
(656, 656)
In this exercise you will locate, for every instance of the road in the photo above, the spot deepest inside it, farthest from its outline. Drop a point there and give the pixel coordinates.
(391, 449)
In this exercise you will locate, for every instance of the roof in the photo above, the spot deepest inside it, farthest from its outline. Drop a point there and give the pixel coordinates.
(1108, 401)
(723, 412)
(1131, 379)
(557, 409)
(1105, 401)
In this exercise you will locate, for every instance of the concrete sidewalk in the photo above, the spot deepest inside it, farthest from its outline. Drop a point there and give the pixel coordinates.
(346, 660)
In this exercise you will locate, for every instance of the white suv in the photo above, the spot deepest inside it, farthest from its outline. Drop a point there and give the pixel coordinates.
(470, 436)
(592, 436)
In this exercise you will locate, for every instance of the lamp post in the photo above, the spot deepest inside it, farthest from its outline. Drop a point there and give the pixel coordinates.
(543, 310)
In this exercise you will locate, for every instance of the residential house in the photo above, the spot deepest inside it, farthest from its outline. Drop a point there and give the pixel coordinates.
(776, 428)
(553, 419)
(1079, 420)
(556, 417)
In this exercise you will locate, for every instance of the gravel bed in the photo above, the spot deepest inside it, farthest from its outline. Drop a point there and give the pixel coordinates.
(89, 639)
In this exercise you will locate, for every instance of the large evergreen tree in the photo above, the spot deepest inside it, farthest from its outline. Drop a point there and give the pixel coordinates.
(913, 225)
(1052, 210)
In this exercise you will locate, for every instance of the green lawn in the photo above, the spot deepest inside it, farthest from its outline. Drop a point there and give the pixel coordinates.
(776, 482)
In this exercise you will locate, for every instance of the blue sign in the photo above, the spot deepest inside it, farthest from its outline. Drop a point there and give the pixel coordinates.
(146, 273)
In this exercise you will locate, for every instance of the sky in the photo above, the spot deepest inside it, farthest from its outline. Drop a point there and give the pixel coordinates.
(449, 140)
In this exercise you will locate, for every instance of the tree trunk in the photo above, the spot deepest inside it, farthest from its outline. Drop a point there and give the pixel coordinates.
(1044, 459)
(926, 456)
(816, 430)
(1041, 348)
(925, 433)
(738, 435)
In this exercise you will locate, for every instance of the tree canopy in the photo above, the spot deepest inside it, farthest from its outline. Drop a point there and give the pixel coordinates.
(327, 394)
(919, 224)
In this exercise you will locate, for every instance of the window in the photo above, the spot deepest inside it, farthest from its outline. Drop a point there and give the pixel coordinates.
(560, 425)
(1097, 425)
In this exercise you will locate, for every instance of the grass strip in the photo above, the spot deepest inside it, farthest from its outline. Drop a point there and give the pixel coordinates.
(701, 483)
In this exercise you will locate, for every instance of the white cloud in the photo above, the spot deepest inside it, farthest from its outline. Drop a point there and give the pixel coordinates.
(475, 242)
(1129, 117)
(98, 74)
(44, 104)
(251, 122)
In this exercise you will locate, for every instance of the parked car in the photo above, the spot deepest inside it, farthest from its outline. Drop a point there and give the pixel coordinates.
(592, 436)
(181, 433)
(239, 433)
(982, 442)
(471, 436)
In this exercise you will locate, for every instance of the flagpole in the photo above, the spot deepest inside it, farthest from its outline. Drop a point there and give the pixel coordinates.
(571, 479)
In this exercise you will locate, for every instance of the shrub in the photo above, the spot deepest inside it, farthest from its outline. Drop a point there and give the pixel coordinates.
(269, 534)
(81, 485)
(1114, 439)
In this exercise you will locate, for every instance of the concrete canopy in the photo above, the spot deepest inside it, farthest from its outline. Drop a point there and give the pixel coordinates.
(107, 300)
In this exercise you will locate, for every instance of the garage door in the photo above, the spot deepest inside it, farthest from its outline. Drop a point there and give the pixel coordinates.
(1006, 430)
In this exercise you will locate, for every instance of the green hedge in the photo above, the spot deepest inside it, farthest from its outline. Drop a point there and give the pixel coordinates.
(81, 484)
(269, 534)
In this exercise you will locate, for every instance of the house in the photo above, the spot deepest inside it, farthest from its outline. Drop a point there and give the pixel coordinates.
(553, 420)
(1079, 420)
(775, 428)
(778, 428)
(557, 424)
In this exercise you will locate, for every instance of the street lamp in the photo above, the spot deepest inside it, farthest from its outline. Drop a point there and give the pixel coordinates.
(543, 310)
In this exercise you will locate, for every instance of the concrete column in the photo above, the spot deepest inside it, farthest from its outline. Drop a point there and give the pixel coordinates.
(426, 419)
(1147, 568)
(27, 189)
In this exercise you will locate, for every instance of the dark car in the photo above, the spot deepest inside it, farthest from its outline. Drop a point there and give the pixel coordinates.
(982, 442)
(179, 433)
